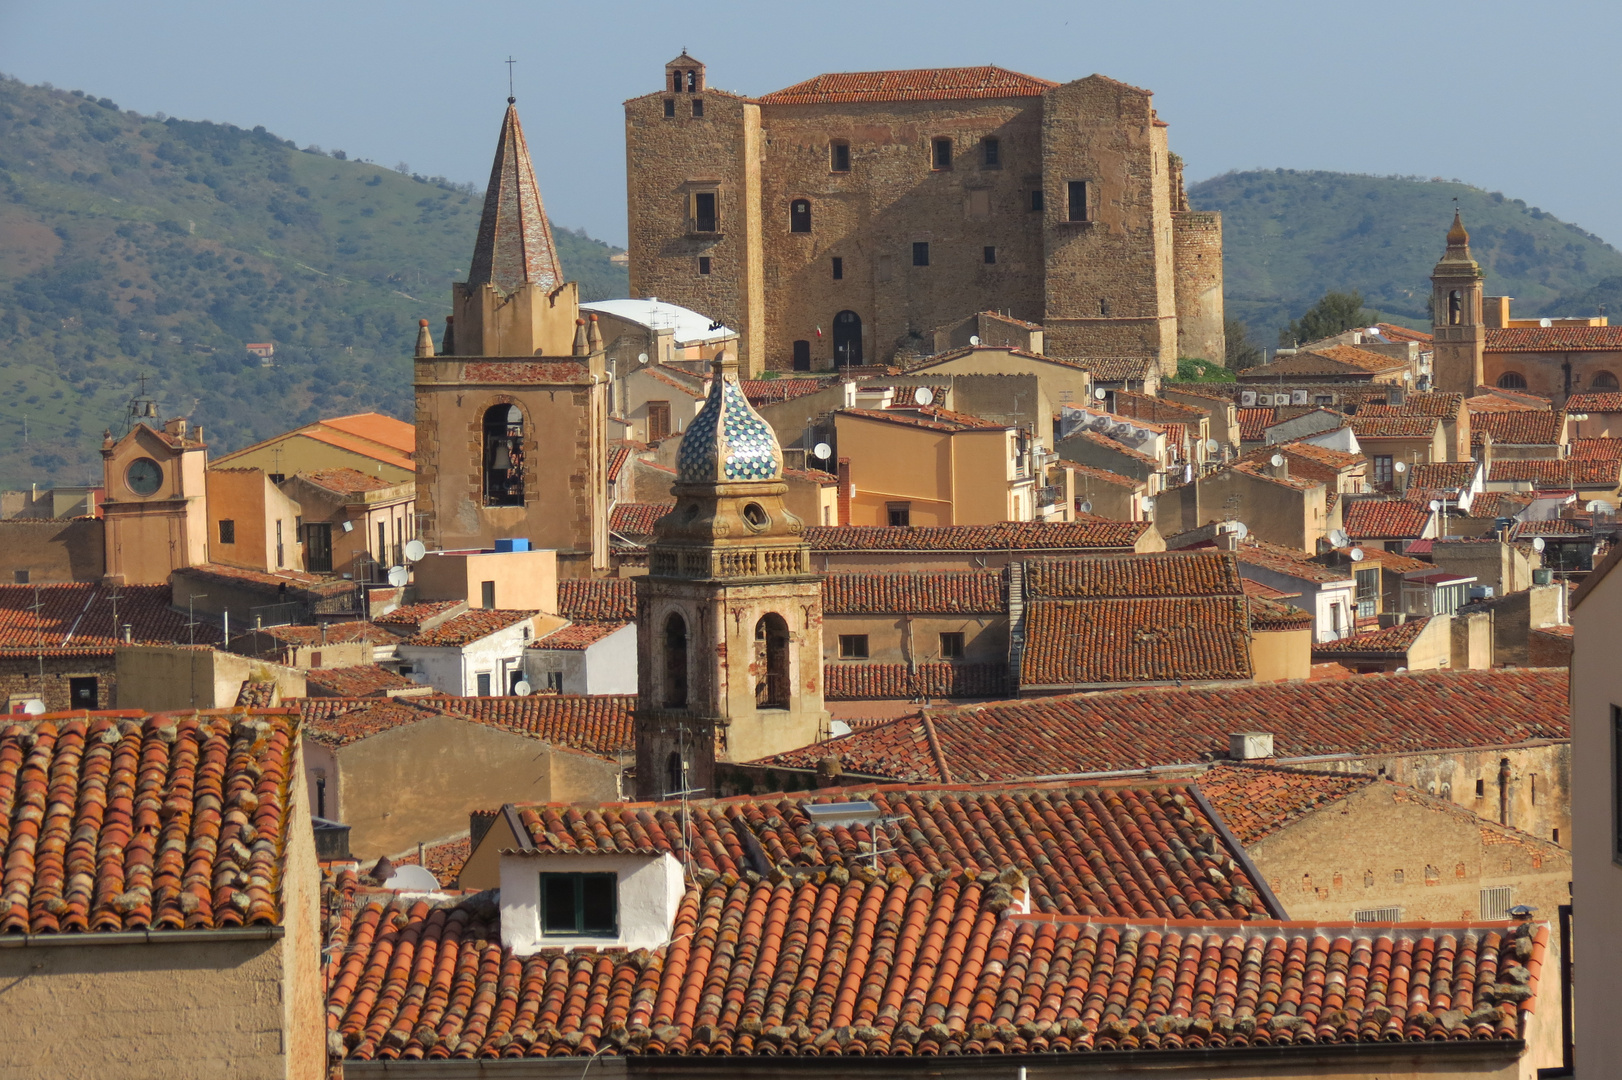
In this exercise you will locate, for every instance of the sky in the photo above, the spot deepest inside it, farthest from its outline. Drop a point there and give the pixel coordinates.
(1509, 97)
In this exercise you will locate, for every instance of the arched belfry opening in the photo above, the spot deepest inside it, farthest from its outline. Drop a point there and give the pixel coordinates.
(675, 695)
(771, 658)
(1455, 308)
(504, 456)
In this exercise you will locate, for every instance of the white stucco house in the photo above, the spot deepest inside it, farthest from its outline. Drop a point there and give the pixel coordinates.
(476, 654)
(584, 658)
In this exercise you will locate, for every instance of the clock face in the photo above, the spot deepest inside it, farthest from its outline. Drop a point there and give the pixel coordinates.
(144, 476)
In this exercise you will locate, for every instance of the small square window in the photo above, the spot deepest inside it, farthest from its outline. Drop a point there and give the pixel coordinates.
(579, 905)
(703, 264)
(952, 645)
(1036, 201)
(482, 683)
(670, 107)
(941, 157)
(839, 268)
(991, 150)
(920, 254)
(1076, 209)
(19, 577)
(839, 157)
(228, 531)
(900, 514)
(698, 107)
(853, 646)
(990, 255)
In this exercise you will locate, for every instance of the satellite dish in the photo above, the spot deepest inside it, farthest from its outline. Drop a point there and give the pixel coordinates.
(1278, 460)
(1401, 466)
(1356, 555)
(1538, 544)
(398, 575)
(974, 339)
(642, 358)
(1086, 506)
(412, 878)
(1436, 504)
(924, 396)
(1099, 393)
(838, 729)
(1339, 538)
(822, 451)
(1545, 322)
(521, 688)
(36, 707)
(1239, 529)
(1212, 446)
(414, 550)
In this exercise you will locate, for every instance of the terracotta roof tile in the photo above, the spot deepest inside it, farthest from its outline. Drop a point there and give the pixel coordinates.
(1086, 474)
(1520, 427)
(1156, 409)
(847, 680)
(1554, 339)
(767, 391)
(1596, 448)
(1450, 476)
(929, 418)
(468, 627)
(923, 84)
(1386, 641)
(1253, 424)
(349, 720)
(1559, 474)
(577, 636)
(1090, 642)
(408, 618)
(378, 428)
(1115, 369)
(1267, 614)
(636, 519)
(1257, 801)
(1287, 561)
(918, 592)
(114, 821)
(600, 599)
(1158, 575)
(332, 634)
(1604, 401)
(1386, 519)
(596, 724)
(444, 860)
(1365, 359)
(361, 680)
(345, 481)
(81, 616)
(1136, 729)
(1111, 445)
(1393, 332)
(1003, 536)
(296, 582)
(1551, 527)
(1392, 427)
(1265, 472)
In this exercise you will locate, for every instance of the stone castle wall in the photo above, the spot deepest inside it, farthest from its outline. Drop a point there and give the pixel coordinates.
(1197, 257)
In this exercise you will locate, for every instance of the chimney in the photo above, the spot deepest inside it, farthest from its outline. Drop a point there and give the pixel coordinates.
(844, 491)
(447, 345)
(175, 427)
(1250, 745)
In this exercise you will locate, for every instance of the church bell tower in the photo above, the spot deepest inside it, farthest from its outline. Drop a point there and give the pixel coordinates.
(730, 649)
(1460, 336)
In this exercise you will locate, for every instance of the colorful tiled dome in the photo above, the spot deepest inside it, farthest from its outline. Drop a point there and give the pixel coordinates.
(728, 441)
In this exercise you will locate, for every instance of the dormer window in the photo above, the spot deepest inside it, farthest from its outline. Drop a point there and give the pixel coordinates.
(580, 905)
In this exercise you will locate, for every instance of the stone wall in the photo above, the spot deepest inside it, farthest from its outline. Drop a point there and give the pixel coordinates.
(1197, 253)
(20, 677)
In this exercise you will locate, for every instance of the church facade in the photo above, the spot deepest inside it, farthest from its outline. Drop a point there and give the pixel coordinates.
(839, 221)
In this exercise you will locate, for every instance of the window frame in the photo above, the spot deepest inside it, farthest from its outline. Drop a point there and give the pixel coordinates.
(1086, 189)
(989, 255)
(799, 216)
(578, 878)
(901, 510)
(705, 265)
(920, 251)
(696, 221)
(990, 152)
(698, 108)
(936, 144)
(1616, 784)
(853, 647)
(1038, 202)
(839, 162)
(670, 108)
(228, 530)
(952, 644)
(1384, 468)
(838, 268)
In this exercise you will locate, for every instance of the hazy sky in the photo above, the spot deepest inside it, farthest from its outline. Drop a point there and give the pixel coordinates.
(1510, 97)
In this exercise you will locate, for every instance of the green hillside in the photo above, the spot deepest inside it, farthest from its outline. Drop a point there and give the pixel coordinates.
(1291, 236)
(131, 245)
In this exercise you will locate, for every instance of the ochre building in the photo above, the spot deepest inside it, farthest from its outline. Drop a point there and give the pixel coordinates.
(842, 220)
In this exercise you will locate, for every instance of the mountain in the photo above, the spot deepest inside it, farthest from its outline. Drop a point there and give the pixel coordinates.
(138, 246)
(1291, 236)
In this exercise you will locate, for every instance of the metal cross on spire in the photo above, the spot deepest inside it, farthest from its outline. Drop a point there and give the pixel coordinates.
(511, 99)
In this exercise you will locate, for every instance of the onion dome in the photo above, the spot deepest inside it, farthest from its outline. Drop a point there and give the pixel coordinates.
(728, 441)
(1456, 236)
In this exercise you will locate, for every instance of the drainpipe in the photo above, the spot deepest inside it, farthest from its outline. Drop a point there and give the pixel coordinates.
(1503, 791)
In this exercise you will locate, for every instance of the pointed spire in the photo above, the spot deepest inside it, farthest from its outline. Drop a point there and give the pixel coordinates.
(580, 347)
(425, 340)
(1457, 237)
(515, 246)
(594, 335)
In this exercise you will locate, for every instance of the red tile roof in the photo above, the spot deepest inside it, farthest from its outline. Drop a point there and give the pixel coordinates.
(1520, 427)
(848, 680)
(383, 430)
(1551, 527)
(332, 634)
(1086, 474)
(1267, 615)
(577, 636)
(1158, 575)
(1253, 424)
(1157, 409)
(923, 84)
(362, 680)
(1450, 476)
(1114, 369)
(1265, 472)
(1386, 519)
(296, 582)
(349, 720)
(1256, 801)
(119, 821)
(1090, 642)
(917, 593)
(409, 618)
(444, 860)
(1112, 445)
(1602, 402)
(1554, 339)
(345, 481)
(1365, 359)
(930, 419)
(1596, 448)
(468, 627)
(619, 452)
(597, 724)
(1287, 561)
(1387, 641)
(636, 519)
(1136, 729)
(1003, 536)
(81, 616)
(606, 599)
(766, 391)
(1393, 332)
(811, 476)
(1563, 473)
(1392, 427)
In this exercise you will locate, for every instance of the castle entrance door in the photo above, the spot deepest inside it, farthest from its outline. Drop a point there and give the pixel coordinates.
(847, 339)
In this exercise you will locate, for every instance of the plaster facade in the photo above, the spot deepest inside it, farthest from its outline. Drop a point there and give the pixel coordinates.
(514, 580)
(251, 523)
(41, 550)
(606, 666)
(158, 678)
(649, 889)
(156, 517)
(966, 476)
(845, 231)
(497, 657)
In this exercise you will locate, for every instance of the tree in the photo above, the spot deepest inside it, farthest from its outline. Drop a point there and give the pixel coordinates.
(1241, 351)
(1334, 313)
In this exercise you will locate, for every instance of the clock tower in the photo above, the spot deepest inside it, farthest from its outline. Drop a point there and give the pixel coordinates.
(155, 513)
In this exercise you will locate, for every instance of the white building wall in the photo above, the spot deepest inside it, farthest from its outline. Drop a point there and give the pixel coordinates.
(650, 891)
(455, 671)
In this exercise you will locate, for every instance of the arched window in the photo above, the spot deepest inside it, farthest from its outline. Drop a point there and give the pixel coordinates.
(799, 215)
(1455, 308)
(1512, 380)
(503, 456)
(1603, 380)
(674, 781)
(675, 662)
(771, 656)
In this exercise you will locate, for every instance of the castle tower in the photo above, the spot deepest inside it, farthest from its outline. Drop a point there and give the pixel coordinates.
(729, 663)
(1460, 336)
(512, 418)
